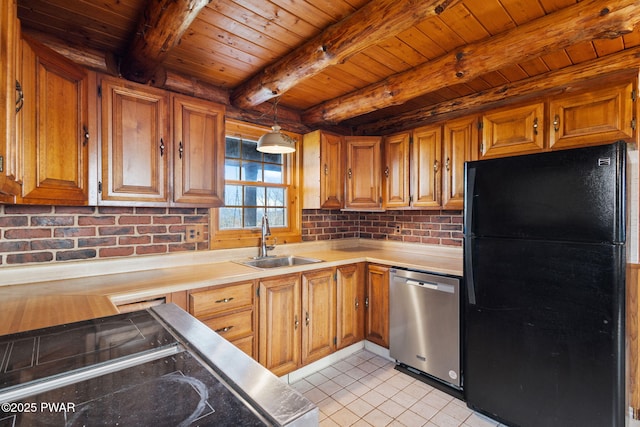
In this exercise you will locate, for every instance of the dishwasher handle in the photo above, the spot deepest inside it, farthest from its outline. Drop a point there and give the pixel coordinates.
(435, 286)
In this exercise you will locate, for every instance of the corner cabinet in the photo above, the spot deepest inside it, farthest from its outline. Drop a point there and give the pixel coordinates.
(142, 161)
(323, 171)
(54, 128)
(363, 173)
(377, 305)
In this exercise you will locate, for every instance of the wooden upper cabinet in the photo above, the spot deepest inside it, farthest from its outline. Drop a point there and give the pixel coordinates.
(198, 128)
(512, 131)
(10, 102)
(135, 144)
(460, 139)
(396, 171)
(55, 133)
(363, 173)
(594, 117)
(323, 171)
(318, 314)
(426, 168)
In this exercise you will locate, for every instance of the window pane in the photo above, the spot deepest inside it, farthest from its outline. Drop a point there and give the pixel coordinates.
(252, 217)
(230, 218)
(232, 169)
(233, 195)
(232, 147)
(277, 217)
(251, 171)
(249, 151)
(275, 197)
(273, 158)
(254, 196)
(273, 173)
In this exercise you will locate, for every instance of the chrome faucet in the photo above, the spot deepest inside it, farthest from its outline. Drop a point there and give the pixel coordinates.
(266, 231)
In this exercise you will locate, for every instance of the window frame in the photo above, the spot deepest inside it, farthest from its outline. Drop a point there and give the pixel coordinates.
(248, 237)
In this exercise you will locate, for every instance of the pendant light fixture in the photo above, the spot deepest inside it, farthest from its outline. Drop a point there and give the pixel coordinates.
(276, 142)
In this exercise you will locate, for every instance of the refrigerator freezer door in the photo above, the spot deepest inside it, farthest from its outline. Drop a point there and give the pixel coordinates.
(544, 332)
(571, 195)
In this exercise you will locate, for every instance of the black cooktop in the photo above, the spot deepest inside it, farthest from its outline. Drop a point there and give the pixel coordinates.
(42, 353)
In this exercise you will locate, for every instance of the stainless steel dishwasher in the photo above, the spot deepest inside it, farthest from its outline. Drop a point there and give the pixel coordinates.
(424, 324)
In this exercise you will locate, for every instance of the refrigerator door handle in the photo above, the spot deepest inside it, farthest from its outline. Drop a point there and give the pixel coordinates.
(468, 261)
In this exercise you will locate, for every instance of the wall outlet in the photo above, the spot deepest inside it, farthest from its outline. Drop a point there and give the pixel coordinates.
(194, 233)
(398, 229)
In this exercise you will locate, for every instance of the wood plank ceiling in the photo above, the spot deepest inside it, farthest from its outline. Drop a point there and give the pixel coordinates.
(374, 59)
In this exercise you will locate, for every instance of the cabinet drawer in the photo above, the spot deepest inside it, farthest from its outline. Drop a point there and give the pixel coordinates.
(232, 326)
(222, 299)
(245, 344)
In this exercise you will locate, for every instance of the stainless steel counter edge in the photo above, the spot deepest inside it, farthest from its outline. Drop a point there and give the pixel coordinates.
(275, 399)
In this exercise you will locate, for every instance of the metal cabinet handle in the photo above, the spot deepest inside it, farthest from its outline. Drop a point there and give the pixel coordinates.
(161, 147)
(349, 173)
(19, 97)
(223, 330)
(556, 123)
(306, 319)
(86, 135)
(224, 300)
(435, 166)
(446, 165)
(326, 169)
(295, 322)
(180, 149)
(386, 172)
(366, 302)
(535, 126)
(357, 303)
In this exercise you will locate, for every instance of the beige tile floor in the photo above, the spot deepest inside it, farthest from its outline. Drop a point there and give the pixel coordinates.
(365, 390)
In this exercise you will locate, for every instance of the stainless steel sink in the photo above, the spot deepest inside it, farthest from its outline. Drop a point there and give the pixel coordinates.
(279, 261)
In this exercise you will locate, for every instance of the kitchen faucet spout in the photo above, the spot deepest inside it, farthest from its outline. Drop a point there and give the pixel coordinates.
(266, 231)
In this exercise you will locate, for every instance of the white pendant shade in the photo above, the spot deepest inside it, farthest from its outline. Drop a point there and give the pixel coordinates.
(276, 142)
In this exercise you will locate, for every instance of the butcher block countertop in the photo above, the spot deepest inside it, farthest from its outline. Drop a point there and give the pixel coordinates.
(39, 296)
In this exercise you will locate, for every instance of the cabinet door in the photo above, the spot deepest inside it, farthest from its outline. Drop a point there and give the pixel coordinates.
(198, 136)
(331, 173)
(350, 305)
(318, 314)
(396, 171)
(279, 323)
(9, 102)
(426, 167)
(54, 128)
(594, 117)
(363, 173)
(377, 305)
(135, 144)
(513, 131)
(460, 136)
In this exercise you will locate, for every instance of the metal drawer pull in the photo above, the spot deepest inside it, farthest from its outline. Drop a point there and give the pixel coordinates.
(224, 300)
(306, 319)
(223, 330)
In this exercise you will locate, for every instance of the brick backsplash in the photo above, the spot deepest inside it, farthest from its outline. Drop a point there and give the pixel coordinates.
(39, 234)
(415, 226)
(49, 234)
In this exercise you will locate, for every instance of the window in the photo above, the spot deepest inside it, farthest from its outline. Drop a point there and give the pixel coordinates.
(255, 184)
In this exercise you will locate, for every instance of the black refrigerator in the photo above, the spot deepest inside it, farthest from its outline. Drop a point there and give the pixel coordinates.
(544, 265)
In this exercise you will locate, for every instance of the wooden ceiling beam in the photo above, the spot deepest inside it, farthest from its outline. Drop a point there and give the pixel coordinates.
(159, 29)
(377, 20)
(624, 64)
(587, 20)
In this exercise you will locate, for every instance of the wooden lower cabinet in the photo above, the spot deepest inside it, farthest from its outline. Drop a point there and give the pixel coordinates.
(280, 331)
(377, 305)
(350, 305)
(319, 314)
(230, 311)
